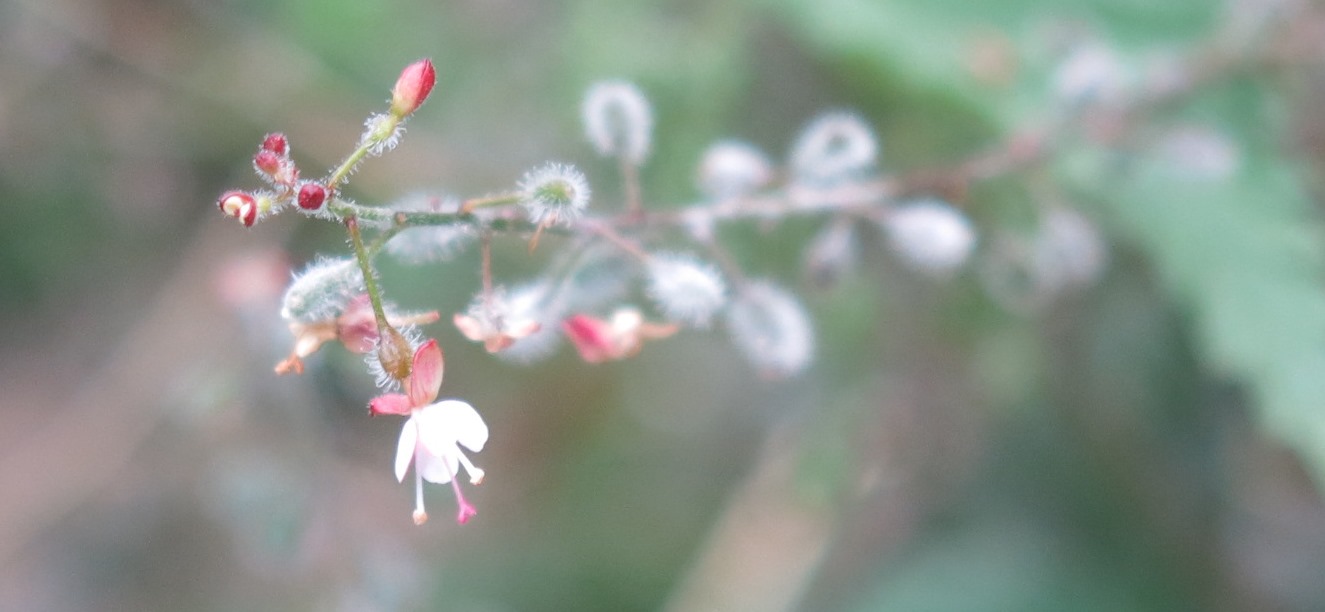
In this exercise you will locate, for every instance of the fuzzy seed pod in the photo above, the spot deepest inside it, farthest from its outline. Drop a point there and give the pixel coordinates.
(684, 289)
(931, 236)
(322, 291)
(618, 121)
(732, 169)
(771, 328)
(834, 147)
(554, 193)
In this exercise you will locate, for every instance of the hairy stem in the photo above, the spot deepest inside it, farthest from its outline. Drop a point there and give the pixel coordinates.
(361, 254)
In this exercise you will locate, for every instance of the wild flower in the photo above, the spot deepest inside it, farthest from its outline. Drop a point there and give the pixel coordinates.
(432, 436)
(618, 337)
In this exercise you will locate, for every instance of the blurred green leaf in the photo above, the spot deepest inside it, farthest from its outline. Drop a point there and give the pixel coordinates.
(1243, 253)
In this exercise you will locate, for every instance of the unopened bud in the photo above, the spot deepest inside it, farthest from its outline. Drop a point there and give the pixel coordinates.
(276, 143)
(412, 88)
(312, 196)
(240, 205)
(267, 162)
(394, 353)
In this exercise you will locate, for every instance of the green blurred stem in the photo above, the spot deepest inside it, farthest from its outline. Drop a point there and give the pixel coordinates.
(404, 219)
(374, 294)
(490, 201)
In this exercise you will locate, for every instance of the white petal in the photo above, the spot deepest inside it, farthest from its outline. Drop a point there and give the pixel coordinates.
(448, 422)
(409, 438)
(438, 468)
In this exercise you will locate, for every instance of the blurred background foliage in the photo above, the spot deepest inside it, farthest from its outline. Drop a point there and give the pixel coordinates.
(1148, 443)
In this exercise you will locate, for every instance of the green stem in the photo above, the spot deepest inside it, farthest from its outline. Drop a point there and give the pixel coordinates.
(630, 177)
(346, 167)
(346, 210)
(489, 201)
(374, 294)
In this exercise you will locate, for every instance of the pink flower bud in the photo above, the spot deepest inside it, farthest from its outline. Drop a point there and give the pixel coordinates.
(276, 143)
(267, 162)
(312, 196)
(239, 205)
(412, 88)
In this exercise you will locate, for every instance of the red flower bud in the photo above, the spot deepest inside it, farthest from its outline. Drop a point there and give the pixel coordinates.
(413, 87)
(276, 143)
(239, 205)
(312, 196)
(267, 162)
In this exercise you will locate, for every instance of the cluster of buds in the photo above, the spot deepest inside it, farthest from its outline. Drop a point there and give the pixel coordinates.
(275, 166)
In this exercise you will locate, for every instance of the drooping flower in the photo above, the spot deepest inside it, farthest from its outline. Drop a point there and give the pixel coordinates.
(620, 337)
(355, 327)
(432, 436)
(491, 321)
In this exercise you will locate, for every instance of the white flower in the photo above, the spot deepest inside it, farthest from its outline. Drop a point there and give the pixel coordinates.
(431, 439)
(434, 432)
